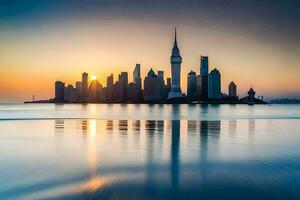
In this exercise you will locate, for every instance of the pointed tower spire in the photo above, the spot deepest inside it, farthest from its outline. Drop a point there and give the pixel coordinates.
(175, 46)
(175, 35)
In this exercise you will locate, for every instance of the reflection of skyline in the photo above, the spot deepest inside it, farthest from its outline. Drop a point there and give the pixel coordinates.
(175, 160)
(155, 133)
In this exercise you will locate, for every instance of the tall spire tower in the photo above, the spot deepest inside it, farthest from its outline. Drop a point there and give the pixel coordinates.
(176, 61)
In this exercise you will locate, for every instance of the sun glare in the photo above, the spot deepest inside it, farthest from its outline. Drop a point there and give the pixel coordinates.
(93, 77)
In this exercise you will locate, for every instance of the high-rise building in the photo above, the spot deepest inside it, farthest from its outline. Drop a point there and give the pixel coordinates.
(59, 91)
(153, 86)
(95, 91)
(137, 81)
(137, 76)
(133, 93)
(84, 86)
(110, 87)
(214, 84)
(124, 82)
(192, 84)
(168, 86)
(232, 89)
(199, 85)
(70, 94)
(176, 60)
(78, 87)
(124, 78)
(160, 75)
(120, 87)
(204, 67)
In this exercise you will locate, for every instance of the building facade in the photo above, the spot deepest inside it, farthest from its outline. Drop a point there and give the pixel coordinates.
(153, 86)
(232, 89)
(84, 86)
(59, 91)
(204, 67)
(192, 84)
(110, 87)
(176, 60)
(214, 85)
(137, 76)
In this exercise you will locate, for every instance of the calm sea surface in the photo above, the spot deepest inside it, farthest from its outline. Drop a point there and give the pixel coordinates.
(120, 151)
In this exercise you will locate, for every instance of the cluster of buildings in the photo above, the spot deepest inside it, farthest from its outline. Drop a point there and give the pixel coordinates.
(205, 87)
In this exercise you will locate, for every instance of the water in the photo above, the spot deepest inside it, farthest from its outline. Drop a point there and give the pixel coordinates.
(149, 151)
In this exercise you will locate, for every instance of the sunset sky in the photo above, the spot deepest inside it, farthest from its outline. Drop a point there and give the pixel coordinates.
(250, 42)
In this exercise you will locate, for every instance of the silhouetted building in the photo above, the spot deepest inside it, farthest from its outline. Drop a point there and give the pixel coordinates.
(94, 91)
(124, 79)
(176, 60)
(120, 87)
(78, 87)
(137, 76)
(232, 89)
(110, 87)
(133, 93)
(164, 93)
(250, 99)
(84, 87)
(192, 84)
(70, 94)
(168, 86)
(59, 91)
(199, 85)
(204, 67)
(214, 84)
(153, 87)
(251, 96)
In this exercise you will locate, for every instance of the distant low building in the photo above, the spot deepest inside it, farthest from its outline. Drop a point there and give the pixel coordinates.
(251, 99)
(232, 89)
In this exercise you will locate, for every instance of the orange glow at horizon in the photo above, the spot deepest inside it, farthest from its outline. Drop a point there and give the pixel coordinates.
(32, 63)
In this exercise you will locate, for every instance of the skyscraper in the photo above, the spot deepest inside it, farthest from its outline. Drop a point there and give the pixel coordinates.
(110, 87)
(214, 84)
(152, 87)
(199, 86)
(160, 75)
(192, 84)
(84, 86)
(70, 94)
(204, 67)
(78, 87)
(95, 91)
(137, 76)
(232, 89)
(59, 91)
(176, 61)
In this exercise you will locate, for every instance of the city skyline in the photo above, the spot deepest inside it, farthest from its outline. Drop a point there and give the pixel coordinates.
(264, 55)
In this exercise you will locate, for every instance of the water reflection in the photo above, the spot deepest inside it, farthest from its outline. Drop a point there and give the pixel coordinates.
(175, 160)
(109, 125)
(232, 127)
(136, 125)
(123, 126)
(162, 159)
